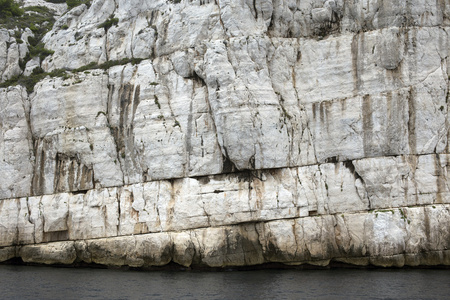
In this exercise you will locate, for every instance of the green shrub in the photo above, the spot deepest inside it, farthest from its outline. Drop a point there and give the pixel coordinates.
(27, 81)
(112, 63)
(32, 41)
(37, 70)
(59, 73)
(74, 3)
(34, 28)
(8, 8)
(135, 61)
(23, 62)
(108, 23)
(89, 66)
(41, 51)
(39, 9)
(108, 64)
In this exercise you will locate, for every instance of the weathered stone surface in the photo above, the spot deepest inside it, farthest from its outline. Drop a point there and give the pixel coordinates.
(16, 146)
(8, 222)
(380, 184)
(14, 48)
(73, 144)
(381, 238)
(54, 253)
(325, 17)
(7, 253)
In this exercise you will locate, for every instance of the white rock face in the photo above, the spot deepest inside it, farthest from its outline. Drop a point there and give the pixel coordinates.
(16, 146)
(58, 8)
(75, 150)
(9, 55)
(230, 133)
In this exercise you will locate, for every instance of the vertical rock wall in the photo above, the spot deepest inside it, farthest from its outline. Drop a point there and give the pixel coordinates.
(231, 133)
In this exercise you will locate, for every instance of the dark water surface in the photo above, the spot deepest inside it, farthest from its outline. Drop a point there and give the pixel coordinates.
(22, 282)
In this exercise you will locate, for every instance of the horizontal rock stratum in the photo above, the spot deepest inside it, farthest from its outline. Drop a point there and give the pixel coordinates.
(228, 133)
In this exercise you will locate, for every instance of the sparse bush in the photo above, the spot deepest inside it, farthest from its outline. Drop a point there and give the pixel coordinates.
(38, 73)
(135, 61)
(38, 9)
(38, 70)
(38, 19)
(90, 66)
(30, 81)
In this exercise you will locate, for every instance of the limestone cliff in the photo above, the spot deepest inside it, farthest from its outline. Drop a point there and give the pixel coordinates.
(227, 133)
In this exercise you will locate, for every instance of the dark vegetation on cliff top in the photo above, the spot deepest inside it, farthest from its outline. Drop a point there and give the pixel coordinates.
(8, 8)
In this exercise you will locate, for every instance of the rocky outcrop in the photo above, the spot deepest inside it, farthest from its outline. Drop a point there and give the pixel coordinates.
(232, 133)
(12, 50)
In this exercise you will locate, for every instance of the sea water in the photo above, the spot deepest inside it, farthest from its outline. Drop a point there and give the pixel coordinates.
(26, 282)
